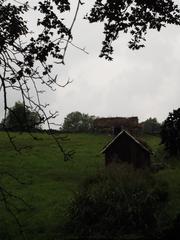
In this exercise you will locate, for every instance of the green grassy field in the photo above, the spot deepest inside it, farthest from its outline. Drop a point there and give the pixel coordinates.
(49, 183)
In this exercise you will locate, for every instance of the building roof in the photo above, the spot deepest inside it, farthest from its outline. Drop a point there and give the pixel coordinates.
(116, 122)
(130, 136)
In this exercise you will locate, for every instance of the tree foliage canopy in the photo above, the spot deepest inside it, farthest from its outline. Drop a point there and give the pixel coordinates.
(134, 17)
(151, 126)
(21, 118)
(78, 122)
(170, 133)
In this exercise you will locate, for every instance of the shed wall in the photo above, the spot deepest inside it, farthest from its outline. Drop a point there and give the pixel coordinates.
(127, 150)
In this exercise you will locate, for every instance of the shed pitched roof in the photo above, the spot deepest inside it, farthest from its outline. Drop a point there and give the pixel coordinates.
(130, 136)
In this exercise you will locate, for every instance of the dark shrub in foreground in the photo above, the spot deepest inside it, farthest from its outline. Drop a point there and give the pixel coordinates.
(173, 230)
(170, 133)
(120, 203)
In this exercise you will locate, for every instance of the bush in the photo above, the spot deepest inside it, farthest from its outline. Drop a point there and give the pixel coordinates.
(122, 202)
(173, 230)
(170, 133)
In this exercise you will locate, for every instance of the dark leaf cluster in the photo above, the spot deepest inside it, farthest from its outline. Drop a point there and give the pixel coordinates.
(134, 17)
(12, 25)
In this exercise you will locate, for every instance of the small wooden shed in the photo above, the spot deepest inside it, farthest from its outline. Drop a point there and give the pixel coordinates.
(126, 148)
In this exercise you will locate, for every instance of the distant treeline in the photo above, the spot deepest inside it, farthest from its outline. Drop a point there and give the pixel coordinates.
(21, 119)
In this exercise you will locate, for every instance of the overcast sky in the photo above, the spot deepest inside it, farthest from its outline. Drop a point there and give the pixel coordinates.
(143, 83)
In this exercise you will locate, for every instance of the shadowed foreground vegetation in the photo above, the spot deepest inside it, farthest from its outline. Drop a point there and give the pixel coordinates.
(48, 183)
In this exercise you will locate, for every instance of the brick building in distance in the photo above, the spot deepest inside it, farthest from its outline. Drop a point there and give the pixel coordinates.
(115, 125)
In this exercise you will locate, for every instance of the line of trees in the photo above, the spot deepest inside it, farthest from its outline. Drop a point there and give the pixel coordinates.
(21, 118)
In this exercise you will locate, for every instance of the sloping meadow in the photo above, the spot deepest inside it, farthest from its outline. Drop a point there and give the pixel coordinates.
(41, 186)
